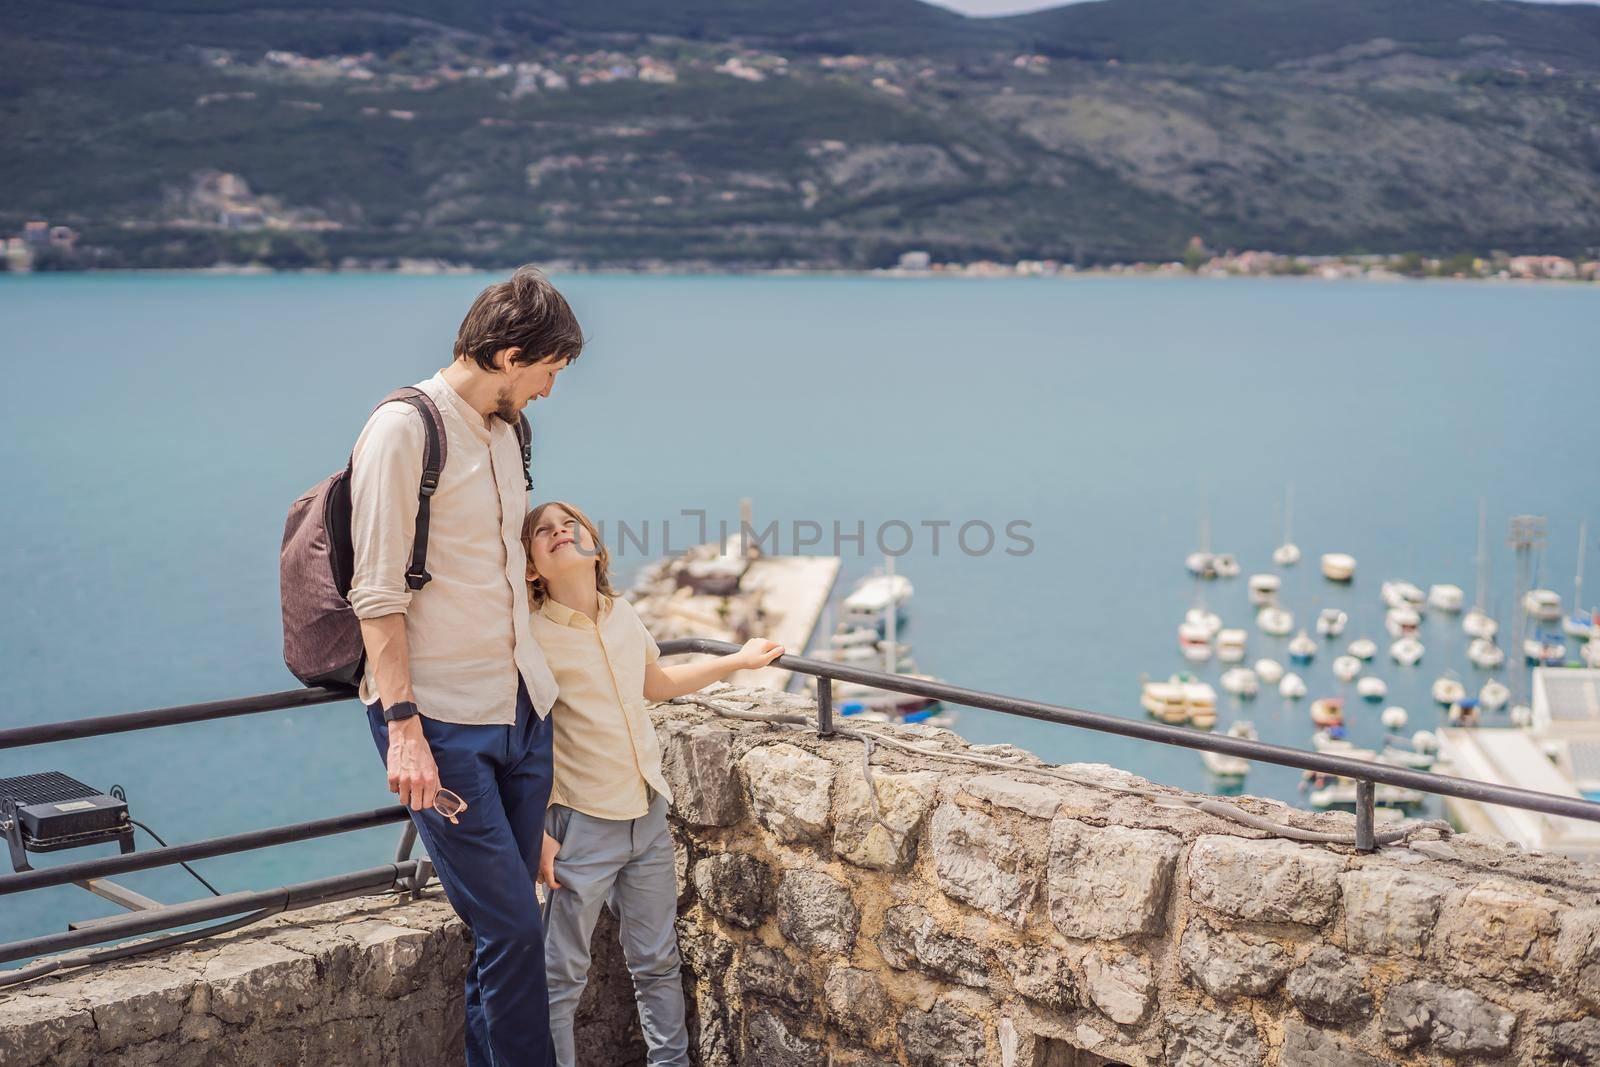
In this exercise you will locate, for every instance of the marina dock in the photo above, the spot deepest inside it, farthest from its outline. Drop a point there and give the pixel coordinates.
(1558, 753)
(730, 593)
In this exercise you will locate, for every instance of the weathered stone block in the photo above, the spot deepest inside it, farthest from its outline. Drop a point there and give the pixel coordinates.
(132, 1005)
(38, 1029)
(1207, 1040)
(816, 912)
(395, 959)
(766, 972)
(1306, 1046)
(1042, 975)
(1578, 954)
(858, 1005)
(1119, 985)
(946, 1036)
(1457, 1022)
(768, 1042)
(1498, 930)
(1330, 987)
(258, 979)
(887, 843)
(698, 764)
(1264, 881)
(789, 789)
(979, 862)
(736, 887)
(1110, 882)
(1003, 790)
(911, 938)
(1227, 966)
(1574, 1042)
(1388, 910)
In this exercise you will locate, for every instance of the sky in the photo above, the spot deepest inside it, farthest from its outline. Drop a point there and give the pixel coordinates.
(1013, 7)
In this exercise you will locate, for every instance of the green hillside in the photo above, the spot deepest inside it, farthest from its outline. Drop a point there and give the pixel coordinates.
(750, 133)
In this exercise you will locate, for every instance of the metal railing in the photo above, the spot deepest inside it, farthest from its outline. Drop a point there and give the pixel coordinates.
(410, 874)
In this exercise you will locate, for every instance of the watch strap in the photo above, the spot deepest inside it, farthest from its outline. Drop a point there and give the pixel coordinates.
(400, 709)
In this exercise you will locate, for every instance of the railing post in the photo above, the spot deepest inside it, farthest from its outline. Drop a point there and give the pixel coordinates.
(1366, 838)
(824, 706)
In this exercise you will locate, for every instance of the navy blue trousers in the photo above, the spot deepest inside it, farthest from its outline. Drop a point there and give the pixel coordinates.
(488, 864)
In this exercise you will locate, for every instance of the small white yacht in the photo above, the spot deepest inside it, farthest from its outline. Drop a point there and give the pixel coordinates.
(1274, 621)
(1484, 654)
(1302, 648)
(1446, 597)
(1493, 695)
(1269, 671)
(1292, 686)
(1543, 604)
(1241, 682)
(1331, 622)
(1179, 699)
(1544, 649)
(1407, 651)
(1394, 718)
(1225, 565)
(1363, 648)
(1264, 589)
(1345, 668)
(1402, 621)
(1448, 690)
(1194, 641)
(1201, 564)
(1398, 594)
(1338, 566)
(873, 597)
(1222, 765)
(1230, 646)
(1372, 688)
(1207, 620)
(1478, 623)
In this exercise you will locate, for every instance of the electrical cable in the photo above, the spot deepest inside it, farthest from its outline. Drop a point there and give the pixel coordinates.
(122, 794)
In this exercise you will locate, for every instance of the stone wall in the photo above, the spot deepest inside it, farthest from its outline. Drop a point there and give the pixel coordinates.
(953, 915)
(988, 916)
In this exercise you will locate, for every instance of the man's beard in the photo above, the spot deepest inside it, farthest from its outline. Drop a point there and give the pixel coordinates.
(504, 409)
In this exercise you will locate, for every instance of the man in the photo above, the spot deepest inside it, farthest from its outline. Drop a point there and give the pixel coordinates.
(457, 691)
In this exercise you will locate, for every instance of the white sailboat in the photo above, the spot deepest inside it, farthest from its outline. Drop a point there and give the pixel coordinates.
(1269, 671)
(1241, 682)
(1288, 553)
(1291, 686)
(1230, 646)
(1446, 597)
(1485, 654)
(1407, 651)
(1345, 668)
(1331, 622)
(1493, 695)
(1274, 620)
(1363, 648)
(1372, 688)
(1302, 648)
(1402, 621)
(1222, 765)
(1201, 562)
(1477, 622)
(1402, 594)
(1448, 690)
(1338, 566)
(1264, 589)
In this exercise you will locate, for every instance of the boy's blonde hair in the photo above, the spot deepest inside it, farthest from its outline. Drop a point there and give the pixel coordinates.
(602, 559)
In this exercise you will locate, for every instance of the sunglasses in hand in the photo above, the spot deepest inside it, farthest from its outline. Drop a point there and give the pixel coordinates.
(449, 805)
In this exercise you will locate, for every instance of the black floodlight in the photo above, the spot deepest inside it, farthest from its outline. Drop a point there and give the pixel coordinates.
(50, 812)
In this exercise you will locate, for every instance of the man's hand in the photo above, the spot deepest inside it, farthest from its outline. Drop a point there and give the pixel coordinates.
(547, 862)
(757, 653)
(412, 772)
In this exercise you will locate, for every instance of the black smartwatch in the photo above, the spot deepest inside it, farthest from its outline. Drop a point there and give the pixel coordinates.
(403, 709)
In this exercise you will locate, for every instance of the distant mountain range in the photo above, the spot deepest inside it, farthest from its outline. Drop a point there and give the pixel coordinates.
(746, 133)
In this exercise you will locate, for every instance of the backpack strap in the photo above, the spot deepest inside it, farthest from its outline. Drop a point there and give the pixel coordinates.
(525, 439)
(433, 457)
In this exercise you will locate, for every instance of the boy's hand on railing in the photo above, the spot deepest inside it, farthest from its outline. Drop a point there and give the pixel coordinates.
(547, 862)
(756, 653)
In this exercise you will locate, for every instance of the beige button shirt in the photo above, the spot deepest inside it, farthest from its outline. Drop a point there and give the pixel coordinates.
(606, 752)
(468, 628)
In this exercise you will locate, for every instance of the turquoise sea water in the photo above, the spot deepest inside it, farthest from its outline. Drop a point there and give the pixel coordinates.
(156, 429)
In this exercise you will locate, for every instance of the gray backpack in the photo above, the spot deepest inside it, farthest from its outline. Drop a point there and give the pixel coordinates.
(321, 634)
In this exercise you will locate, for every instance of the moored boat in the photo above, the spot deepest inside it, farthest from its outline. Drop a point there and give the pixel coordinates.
(1331, 622)
(1327, 711)
(1241, 682)
(1270, 671)
(1484, 654)
(1493, 695)
(1542, 604)
(1338, 566)
(1263, 589)
(1230, 646)
(1291, 686)
(1274, 621)
(1363, 648)
(1398, 594)
(1372, 688)
(1345, 668)
(1179, 699)
(1407, 651)
(1402, 621)
(1448, 690)
(1223, 765)
(1446, 597)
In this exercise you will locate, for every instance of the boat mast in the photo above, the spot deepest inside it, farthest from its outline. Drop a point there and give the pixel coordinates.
(1483, 552)
(1288, 511)
(893, 609)
(1577, 581)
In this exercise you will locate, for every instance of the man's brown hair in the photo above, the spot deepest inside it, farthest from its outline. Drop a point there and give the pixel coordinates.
(525, 312)
(602, 558)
